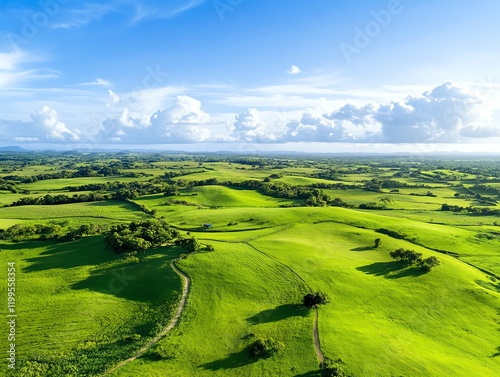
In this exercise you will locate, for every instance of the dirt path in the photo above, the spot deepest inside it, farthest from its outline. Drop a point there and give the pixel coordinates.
(317, 344)
(185, 290)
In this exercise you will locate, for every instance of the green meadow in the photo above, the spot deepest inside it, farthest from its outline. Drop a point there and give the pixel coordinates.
(88, 308)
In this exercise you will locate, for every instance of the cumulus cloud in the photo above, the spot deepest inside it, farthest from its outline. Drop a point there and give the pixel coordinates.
(436, 116)
(294, 70)
(347, 124)
(183, 122)
(44, 126)
(250, 127)
(445, 114)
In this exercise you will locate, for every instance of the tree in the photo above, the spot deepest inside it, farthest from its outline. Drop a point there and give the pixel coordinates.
(313, 299)
(378, 242)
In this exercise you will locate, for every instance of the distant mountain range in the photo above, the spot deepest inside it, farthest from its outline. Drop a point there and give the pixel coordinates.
(13, 149)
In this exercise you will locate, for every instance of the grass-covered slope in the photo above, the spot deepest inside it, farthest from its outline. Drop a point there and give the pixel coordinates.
(385, 319)
(237, 295)
(77, 304)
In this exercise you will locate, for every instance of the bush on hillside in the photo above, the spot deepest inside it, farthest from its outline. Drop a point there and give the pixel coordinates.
(412, 258)
(332, 368)
(265, 347)
(313, 299)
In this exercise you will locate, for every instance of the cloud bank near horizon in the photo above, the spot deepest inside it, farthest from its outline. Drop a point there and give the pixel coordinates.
(447, 113)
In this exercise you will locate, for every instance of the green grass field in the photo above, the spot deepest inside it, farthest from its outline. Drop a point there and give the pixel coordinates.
(83, 308)
(74, 214)
(80, 301)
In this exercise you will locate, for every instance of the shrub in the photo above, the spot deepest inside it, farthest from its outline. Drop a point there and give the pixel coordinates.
(265, 347)
(332, 368)
(429, 263)
(313, 299)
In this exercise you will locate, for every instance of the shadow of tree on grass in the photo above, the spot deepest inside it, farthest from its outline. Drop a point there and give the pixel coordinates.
(279, 313)
(391, 270)
(363, 248)
(312, 373)
(235, 360)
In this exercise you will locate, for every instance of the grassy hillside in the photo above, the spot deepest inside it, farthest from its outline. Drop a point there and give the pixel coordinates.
(79, 302)
(401, 321)
(238, 295)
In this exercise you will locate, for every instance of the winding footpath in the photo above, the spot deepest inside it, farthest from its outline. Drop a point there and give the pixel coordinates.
(186, 283)
(317, 344)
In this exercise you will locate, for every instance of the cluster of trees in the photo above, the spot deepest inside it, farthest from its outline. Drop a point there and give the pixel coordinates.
(122, 190)
(377, 184)
(61, 199)
(412, 258)
(50, 231)
(7, 186)
(372, 205)
(329, 174)
(82, 171)
(483, 211)
(139, 236)
(428, 193)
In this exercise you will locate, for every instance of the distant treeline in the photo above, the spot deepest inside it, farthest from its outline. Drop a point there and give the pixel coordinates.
(83, 171)
(19, 232)
(61, 199)
(483, 211)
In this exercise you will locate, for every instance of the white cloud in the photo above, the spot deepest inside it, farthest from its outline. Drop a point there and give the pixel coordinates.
(480, 131)
(445, 114)
(348, 124)
(182, 122)
(435, 116)
(172, 8)
(97, 82)
(294, 70)
(249, 127)
(81, 16)
(12, 72)
(44, 126)
(114, 99)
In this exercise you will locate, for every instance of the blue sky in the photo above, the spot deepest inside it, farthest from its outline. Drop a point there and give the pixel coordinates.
(316, 75)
